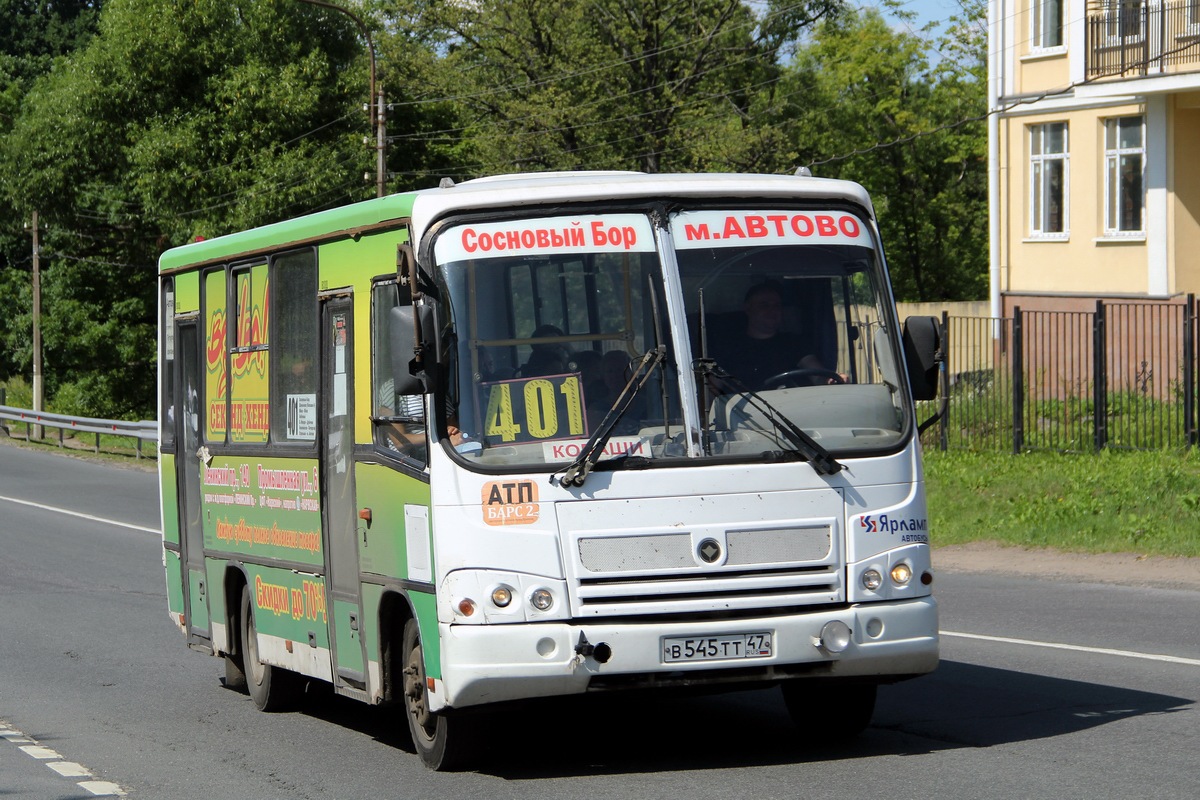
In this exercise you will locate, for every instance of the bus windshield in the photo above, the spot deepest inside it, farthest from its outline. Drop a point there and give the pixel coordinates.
(552, 317)
(569, 330)
(786, 314)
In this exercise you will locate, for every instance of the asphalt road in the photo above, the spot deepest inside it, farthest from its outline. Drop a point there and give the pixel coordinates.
(1046, 689)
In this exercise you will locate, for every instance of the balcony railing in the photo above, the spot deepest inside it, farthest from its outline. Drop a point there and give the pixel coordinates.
(1132, 37)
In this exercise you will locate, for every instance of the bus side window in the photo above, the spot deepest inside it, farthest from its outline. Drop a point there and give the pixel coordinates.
(398, 420)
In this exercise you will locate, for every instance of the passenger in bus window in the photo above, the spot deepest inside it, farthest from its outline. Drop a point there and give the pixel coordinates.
(547, 358)
(761, 349)
(404, 428)
(601, 394)
(588, 364)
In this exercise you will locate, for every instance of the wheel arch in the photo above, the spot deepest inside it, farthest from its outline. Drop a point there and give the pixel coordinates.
(395, 609)
(235, 579)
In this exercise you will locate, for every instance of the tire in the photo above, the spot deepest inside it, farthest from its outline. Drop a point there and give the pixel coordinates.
(829, 715)
(442, 741)
(271, 688)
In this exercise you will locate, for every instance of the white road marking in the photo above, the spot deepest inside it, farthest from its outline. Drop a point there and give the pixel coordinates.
(1191, 662)
(40, 753)
(82, 516)
(68, 769)
(102, 788)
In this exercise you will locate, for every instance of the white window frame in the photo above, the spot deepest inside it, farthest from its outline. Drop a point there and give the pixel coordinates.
(1113, 191)
(1039, 188)
(1038, 12)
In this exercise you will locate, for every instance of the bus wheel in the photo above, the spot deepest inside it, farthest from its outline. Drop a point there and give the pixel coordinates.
(271, 688)
(439, 740)
(829, 714)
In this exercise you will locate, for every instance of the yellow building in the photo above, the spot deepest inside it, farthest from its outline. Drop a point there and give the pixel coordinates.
(1095, 152)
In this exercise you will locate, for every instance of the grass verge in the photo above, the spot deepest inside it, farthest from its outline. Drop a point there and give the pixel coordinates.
(1111, 502)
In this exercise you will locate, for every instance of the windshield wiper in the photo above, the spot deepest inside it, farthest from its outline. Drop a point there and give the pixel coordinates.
(808, 447)
(576, 473)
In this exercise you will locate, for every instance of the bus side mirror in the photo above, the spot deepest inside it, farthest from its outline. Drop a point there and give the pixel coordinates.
(412, 360)
(922, 354)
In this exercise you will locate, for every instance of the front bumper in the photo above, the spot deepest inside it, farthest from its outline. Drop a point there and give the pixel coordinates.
(494, 663)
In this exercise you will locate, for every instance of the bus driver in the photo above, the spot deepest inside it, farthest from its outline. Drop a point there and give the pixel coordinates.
(761, 349)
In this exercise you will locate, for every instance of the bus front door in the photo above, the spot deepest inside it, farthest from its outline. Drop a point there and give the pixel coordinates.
(340, 521)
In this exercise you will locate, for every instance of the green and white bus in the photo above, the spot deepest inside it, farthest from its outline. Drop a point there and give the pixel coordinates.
(541, 435)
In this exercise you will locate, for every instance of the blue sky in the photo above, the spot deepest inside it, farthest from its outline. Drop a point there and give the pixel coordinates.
(931, 10)
(925, 10)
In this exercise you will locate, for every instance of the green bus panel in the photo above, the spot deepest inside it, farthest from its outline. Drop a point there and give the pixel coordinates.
(198, 593)
(289, 605)
(348, 262)
(426, 608)
(263, 508)
(217, 571)
(424, 605)
(345, 221)
(174, 583)
(372, 597)
(349, 645)
(170, 498)
(382, 548)
(187, 293)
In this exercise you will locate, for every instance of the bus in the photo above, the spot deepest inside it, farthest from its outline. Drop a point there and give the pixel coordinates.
(540, 435)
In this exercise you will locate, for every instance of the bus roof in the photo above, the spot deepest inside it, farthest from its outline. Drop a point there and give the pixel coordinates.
(426, 206)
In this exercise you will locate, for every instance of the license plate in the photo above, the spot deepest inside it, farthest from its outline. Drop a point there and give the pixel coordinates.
(716, 648)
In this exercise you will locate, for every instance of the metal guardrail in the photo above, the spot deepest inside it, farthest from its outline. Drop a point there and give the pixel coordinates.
(143, 431)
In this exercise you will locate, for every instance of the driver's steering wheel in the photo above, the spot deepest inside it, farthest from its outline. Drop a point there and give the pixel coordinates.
(802, 377)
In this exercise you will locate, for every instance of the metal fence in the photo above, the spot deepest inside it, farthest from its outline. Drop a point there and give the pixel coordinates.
(144, 431)
(1135, 37)
(1122, 375)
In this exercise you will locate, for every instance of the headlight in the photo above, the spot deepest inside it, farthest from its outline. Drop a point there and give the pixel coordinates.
(541, 599)
(501, 596)
(901, 574)
(872, 580)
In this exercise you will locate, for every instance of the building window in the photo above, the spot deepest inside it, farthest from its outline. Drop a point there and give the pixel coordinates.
(1048, 178)
(1124, 162)
(1047, 24)
(1125, 20)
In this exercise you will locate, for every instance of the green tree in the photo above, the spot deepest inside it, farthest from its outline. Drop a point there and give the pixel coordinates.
(33, 34)
(178, 119)
(653, 85)
(870, 108)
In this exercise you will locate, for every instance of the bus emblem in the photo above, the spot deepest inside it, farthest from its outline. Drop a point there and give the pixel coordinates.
(709, 551)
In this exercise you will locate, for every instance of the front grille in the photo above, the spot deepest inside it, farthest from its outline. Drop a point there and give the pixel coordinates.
(663, 573)
(724, 555)
(779, 545)
(636, 553)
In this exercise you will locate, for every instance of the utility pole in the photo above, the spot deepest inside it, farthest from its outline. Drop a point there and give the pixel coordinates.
(375, 108)
(380, 145)
(37, 326)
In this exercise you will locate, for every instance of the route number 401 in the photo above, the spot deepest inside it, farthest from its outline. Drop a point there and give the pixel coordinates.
(534, 409)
